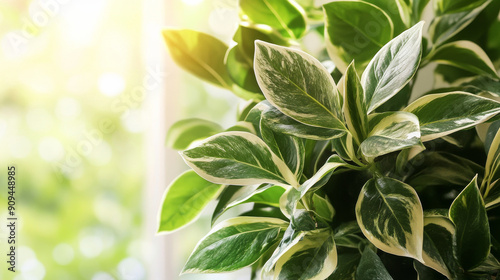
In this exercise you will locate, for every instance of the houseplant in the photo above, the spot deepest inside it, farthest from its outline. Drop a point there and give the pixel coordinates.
(352, 173)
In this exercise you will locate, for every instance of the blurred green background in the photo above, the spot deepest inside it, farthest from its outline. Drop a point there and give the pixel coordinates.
(87, 92)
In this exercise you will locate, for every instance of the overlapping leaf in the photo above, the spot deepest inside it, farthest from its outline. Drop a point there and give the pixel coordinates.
(200, 54)
(444, 113)
(298, 85)
(238, 158)
(184, 132)
(391, 132)
(234, 244)
(465, 55)
(392, 67)
(286, 16)
(355, 30)
(472, 236)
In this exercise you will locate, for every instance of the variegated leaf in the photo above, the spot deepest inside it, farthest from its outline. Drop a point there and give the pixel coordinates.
(472, 236)
(446, 26)
(286, 125)
(314, 257)
(298, 85)
(238, 158)
(438, 244)
(391, 132)
(266, 194)
(348, 235)
(390, 215)
(288, 201)
(445, 113)
(355, 105)
(465, 55)
(234, 244)
(184, 132)
(492, 173)
(288, 148)
(346, 266)
(402, 56)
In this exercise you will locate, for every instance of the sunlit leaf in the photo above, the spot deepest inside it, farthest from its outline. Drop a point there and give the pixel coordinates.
(234, 244)
(184, 132)
(355, 30)
(184, 200)
(200, 54)
(237, 158)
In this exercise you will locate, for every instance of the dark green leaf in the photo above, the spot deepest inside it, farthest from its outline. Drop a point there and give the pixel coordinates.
(371, 267)
(472, 228)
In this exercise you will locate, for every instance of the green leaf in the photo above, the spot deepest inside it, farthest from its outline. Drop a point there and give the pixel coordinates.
(288, 148)
(288, 201)
(200, 54)
(234, 244)
(184, 201)
(418, 8)
(492, 173)
(472, 228)
(455, 6)
(238, 158)
(440, 168)
(348, 235)
(397, 10)
(298, 85)
(355, 105)
(281, 123)
(355, 30)
(371, 267)
(313, 257)
(266, 194)
(285, 16)
(438, 244)
(391, 132)
(465, 55)
(392, 67)
(239, 59)
(346, 147)
(390, 215)
(445, 113)
(322, 206)
(225, 198)
(184, 132)
(346, 266)
(446, 26)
